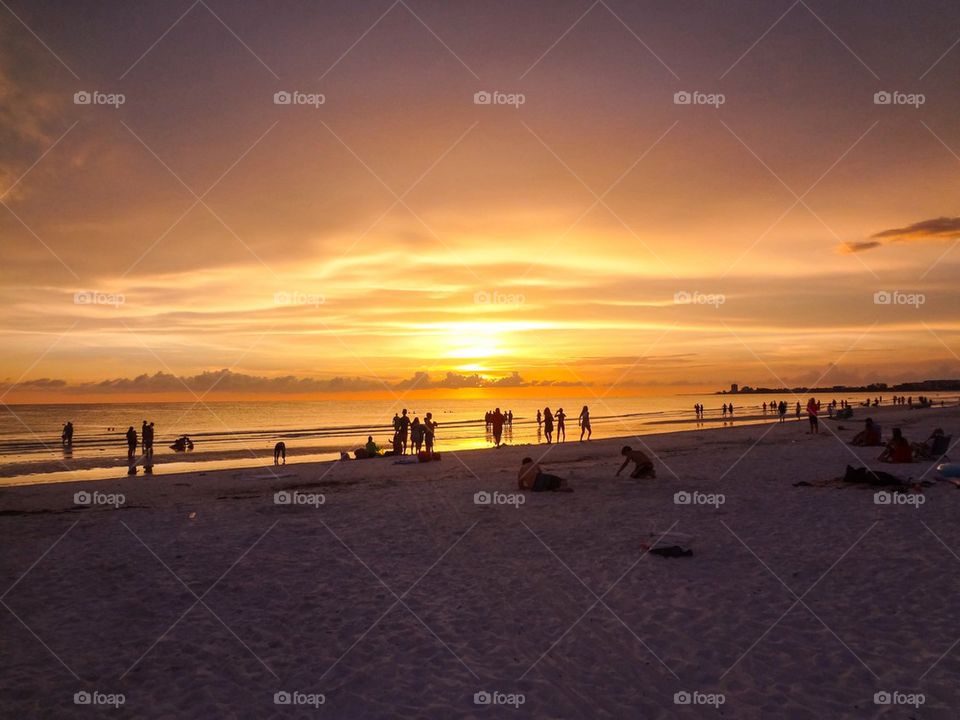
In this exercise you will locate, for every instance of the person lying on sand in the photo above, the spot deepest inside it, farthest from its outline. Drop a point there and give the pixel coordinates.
(898, 449)
(869, 436)
(644, 468)
(532, 477)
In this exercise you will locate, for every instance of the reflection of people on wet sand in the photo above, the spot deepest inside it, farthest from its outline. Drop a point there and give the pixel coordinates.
(280, 453)
(532, 477)
(644, 468)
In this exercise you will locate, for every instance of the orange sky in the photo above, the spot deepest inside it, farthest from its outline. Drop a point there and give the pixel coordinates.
(400, 228)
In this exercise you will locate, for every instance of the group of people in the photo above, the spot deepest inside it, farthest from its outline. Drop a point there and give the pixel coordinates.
(413, 434)
(66, 436)
(898, 449)
(547, 418)
(145, 441)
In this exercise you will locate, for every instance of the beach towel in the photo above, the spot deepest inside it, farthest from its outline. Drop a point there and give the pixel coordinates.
(669, 544)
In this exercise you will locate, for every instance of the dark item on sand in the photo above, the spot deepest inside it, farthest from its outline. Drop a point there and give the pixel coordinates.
(672, 551)
(182, 443)
(280, 453)
(427, 456)
(865, 476)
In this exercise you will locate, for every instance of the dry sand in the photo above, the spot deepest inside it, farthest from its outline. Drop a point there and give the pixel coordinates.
(200, 597)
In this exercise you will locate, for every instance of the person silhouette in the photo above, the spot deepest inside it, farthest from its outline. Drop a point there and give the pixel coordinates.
(584, 420)
(561, 428)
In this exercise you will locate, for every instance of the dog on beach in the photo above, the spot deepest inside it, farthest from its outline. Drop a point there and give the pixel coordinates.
(280, 451)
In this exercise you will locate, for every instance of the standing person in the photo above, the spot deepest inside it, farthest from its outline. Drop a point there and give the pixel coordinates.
(813, 407)
(731, 409)
(68, 433)
(143, 437)
(798, 409)
(724, 409)
(429, 431)
(561, 428)
(782, 409)
(510, 418)
(584, 420)
(539, 419)
(403, 430)
(496, 422)
(148, 440)
(131, 444)
(548, 425)
(416, 436)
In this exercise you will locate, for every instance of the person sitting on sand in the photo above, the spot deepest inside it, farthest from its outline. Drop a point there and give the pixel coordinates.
(644, 468)
(532, 477)
(934, 447)
(371, 447)
(869, 436)
(898, 449)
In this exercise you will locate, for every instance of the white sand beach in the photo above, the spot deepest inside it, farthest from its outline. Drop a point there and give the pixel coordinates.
(395, 595)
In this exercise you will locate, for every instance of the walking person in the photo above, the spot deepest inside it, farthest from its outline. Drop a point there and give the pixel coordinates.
(584, 420)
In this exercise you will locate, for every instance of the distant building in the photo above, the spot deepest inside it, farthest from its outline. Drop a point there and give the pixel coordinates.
(734, 388)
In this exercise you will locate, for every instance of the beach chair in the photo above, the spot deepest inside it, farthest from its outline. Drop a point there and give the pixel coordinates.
(940, 446)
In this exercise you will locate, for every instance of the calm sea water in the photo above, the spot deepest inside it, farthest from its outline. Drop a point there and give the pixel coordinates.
(243, 433)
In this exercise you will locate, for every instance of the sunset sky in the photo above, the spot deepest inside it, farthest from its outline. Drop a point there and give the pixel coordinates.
(400, 229)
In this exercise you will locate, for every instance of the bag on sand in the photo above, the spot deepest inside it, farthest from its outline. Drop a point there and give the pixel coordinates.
(426, 456)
